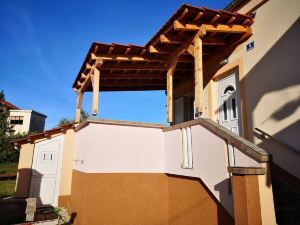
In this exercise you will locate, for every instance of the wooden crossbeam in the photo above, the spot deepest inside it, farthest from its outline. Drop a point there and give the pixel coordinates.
(168, 40)
(133, 76)
(223, 28)
(154, 50)
(133, 67)
(207, 41)
(106, 83)
(121, 57)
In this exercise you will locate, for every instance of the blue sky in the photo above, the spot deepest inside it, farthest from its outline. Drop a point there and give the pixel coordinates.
(43, 44)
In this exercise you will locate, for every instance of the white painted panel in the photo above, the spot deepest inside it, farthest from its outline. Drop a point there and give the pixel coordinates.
(46, 166)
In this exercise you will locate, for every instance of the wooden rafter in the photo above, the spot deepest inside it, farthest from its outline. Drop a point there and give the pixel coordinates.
(199, 15)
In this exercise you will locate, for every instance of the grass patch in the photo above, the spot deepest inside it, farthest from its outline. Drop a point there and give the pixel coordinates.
(7, 188)
(8, 168)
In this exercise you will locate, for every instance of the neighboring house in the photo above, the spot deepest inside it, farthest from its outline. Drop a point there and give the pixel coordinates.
(23, 120)
(27, 120)
(225, 73)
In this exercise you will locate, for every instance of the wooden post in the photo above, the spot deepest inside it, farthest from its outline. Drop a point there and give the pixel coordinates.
(198, 104)
(170, 95)
(78, 106)
(170, 72)
(95, 82)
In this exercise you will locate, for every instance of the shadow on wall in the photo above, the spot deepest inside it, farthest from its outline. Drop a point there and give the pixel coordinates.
(277, 71)
(191, 202)
(23, 184)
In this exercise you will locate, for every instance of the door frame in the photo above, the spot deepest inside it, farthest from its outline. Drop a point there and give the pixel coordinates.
(35, 158)
(238, 97)
(235, 65)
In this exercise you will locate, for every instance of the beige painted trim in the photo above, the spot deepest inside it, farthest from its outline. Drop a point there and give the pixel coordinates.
(226, 70)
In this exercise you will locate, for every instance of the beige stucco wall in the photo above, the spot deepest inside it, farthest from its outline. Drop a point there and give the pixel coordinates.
(271, 69)
(67, 163)
(24, 170)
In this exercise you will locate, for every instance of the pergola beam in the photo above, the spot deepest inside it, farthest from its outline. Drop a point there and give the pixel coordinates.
(223, 28)
(133, 67)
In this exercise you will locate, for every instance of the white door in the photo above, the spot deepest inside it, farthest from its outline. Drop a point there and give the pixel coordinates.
(229, 108)
(229, 104)
(46, 166)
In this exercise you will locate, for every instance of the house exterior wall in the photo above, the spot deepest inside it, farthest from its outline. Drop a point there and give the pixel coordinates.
(37, 122)
(269, 80)
(20, 128)
(32, 121)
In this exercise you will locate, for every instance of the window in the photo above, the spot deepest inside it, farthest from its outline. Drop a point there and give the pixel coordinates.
(233, 105)
(228, 90)
(16, 120)
(224, 111)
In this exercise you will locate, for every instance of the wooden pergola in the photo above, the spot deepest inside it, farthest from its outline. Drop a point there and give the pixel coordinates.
(174, 54)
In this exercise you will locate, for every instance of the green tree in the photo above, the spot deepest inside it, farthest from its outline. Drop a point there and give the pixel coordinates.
(7, 151)
(65, 120)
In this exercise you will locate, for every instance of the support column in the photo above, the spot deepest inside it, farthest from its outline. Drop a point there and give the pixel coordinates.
(78, 106)
(198, 63)
(96, 83)
(170, 73)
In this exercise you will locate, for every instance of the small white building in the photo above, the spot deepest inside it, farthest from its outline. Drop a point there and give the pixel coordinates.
(27, 120)
(23, 120)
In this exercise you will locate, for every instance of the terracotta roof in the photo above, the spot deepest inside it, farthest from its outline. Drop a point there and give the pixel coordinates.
(8, 104)
(45, 134)
(132, 67)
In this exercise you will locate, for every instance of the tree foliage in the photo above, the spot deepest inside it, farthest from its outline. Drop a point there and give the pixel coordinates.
(65, 120)
(7, 151)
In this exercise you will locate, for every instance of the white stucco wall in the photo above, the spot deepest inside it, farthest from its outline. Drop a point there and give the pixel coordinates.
(119, 149)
